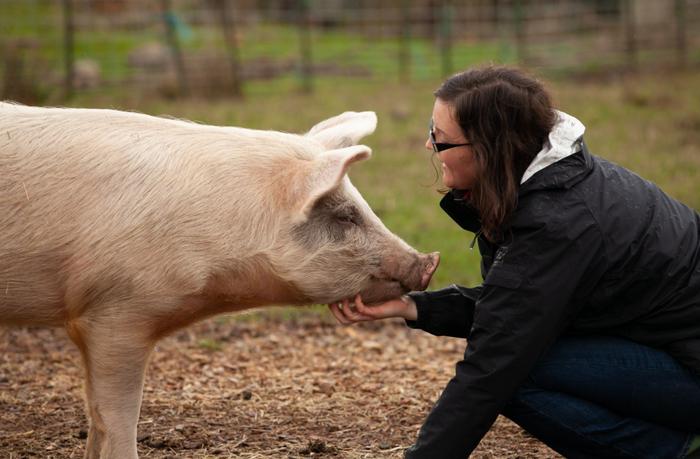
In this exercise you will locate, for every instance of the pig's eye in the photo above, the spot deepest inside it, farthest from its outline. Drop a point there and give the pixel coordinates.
(348, 217)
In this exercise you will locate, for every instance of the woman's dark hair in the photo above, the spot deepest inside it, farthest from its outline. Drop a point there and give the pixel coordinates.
(506, 115)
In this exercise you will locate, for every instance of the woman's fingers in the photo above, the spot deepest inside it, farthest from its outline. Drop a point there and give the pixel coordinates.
(364, 309)
(344, 314)
(345, 310)
(338, 314)
(350, 312)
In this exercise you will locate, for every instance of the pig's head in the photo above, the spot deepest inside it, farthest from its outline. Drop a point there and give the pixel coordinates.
(332, 245)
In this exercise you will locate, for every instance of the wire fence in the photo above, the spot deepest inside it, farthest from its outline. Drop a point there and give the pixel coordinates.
(55, 48)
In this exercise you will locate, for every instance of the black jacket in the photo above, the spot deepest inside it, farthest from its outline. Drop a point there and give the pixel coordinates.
(592, 248)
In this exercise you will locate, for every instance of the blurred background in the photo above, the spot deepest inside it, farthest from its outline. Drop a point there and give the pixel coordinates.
(210, 48)
(627, 68)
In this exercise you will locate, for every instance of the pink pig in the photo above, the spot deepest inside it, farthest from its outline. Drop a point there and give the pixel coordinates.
(123, 227)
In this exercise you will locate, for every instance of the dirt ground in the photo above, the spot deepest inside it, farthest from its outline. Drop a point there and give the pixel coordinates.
(262, 387)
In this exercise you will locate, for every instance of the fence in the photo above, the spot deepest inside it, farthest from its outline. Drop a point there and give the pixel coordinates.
(54, 48)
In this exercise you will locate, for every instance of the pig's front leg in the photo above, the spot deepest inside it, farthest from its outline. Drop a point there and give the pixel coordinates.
(115, 349)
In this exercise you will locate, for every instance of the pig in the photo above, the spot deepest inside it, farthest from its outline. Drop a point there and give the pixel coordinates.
(123, 227)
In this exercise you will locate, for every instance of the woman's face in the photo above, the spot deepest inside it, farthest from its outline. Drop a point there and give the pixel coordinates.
(458, 163)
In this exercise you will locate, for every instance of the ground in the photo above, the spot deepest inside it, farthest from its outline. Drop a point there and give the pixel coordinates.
(262, 386)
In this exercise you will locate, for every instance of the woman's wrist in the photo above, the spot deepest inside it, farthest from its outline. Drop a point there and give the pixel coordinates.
(411, 311)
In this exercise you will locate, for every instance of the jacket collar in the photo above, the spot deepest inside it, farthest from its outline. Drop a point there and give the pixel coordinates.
(454, 205)
(563, 140)
(563, 174)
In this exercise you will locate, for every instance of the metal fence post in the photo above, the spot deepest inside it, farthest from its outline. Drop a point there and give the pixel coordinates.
(630, 28)
(681, 39)
(174, 44)
(446, 14)
(405, 42)
(304, 23)
(68, 48)
(520, 32)
(228, 28)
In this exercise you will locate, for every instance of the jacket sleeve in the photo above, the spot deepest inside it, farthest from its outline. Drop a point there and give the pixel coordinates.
(529, 297)
(446, 312)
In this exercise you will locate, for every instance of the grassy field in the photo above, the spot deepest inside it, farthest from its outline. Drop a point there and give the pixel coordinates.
(650, 124)
(31, 39)
(40, 23)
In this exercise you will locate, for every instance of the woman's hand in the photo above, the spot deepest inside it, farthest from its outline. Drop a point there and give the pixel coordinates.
(349, 313)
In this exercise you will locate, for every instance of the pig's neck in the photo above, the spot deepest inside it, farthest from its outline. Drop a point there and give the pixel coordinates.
(249, 286)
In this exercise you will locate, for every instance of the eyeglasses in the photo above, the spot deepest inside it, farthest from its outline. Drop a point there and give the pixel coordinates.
(438, 147)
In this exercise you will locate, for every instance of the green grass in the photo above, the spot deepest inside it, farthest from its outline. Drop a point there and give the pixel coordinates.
(335, 49)
(209, 344)
(342, 51)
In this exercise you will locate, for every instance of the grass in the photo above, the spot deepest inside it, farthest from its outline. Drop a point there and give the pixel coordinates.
(333, 49)
(40, 22)
(650, 124)
(209, 344)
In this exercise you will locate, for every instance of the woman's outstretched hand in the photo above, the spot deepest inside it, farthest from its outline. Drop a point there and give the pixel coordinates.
(349, 313)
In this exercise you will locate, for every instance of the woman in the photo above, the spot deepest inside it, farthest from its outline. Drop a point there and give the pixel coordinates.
(586, 330)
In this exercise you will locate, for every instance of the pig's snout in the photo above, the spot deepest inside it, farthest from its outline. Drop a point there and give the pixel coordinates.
(400, 276)
(431, 265)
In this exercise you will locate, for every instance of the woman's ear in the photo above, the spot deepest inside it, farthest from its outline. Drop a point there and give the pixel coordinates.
(344, 130)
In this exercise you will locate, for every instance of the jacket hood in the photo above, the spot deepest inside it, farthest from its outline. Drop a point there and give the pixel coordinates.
(564, 140)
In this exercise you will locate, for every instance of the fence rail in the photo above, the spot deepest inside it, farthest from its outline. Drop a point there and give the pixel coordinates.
(215, 47)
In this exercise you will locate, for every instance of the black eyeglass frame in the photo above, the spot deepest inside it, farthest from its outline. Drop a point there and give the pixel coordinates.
(438, 147)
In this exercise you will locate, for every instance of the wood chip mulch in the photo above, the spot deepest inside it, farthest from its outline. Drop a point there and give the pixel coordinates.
(252, 386)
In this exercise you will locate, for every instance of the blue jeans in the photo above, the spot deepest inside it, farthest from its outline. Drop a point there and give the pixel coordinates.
(609, 397)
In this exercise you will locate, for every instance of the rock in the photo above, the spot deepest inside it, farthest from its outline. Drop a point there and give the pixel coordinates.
(192, 444)
(150, 56)
(86, 74)
(155, 443)
(315, 446)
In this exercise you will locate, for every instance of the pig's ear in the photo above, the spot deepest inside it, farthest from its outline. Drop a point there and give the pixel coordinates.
(328, 171)
(344, 130)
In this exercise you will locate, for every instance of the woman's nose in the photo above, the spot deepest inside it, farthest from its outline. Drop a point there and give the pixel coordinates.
(428, 144)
